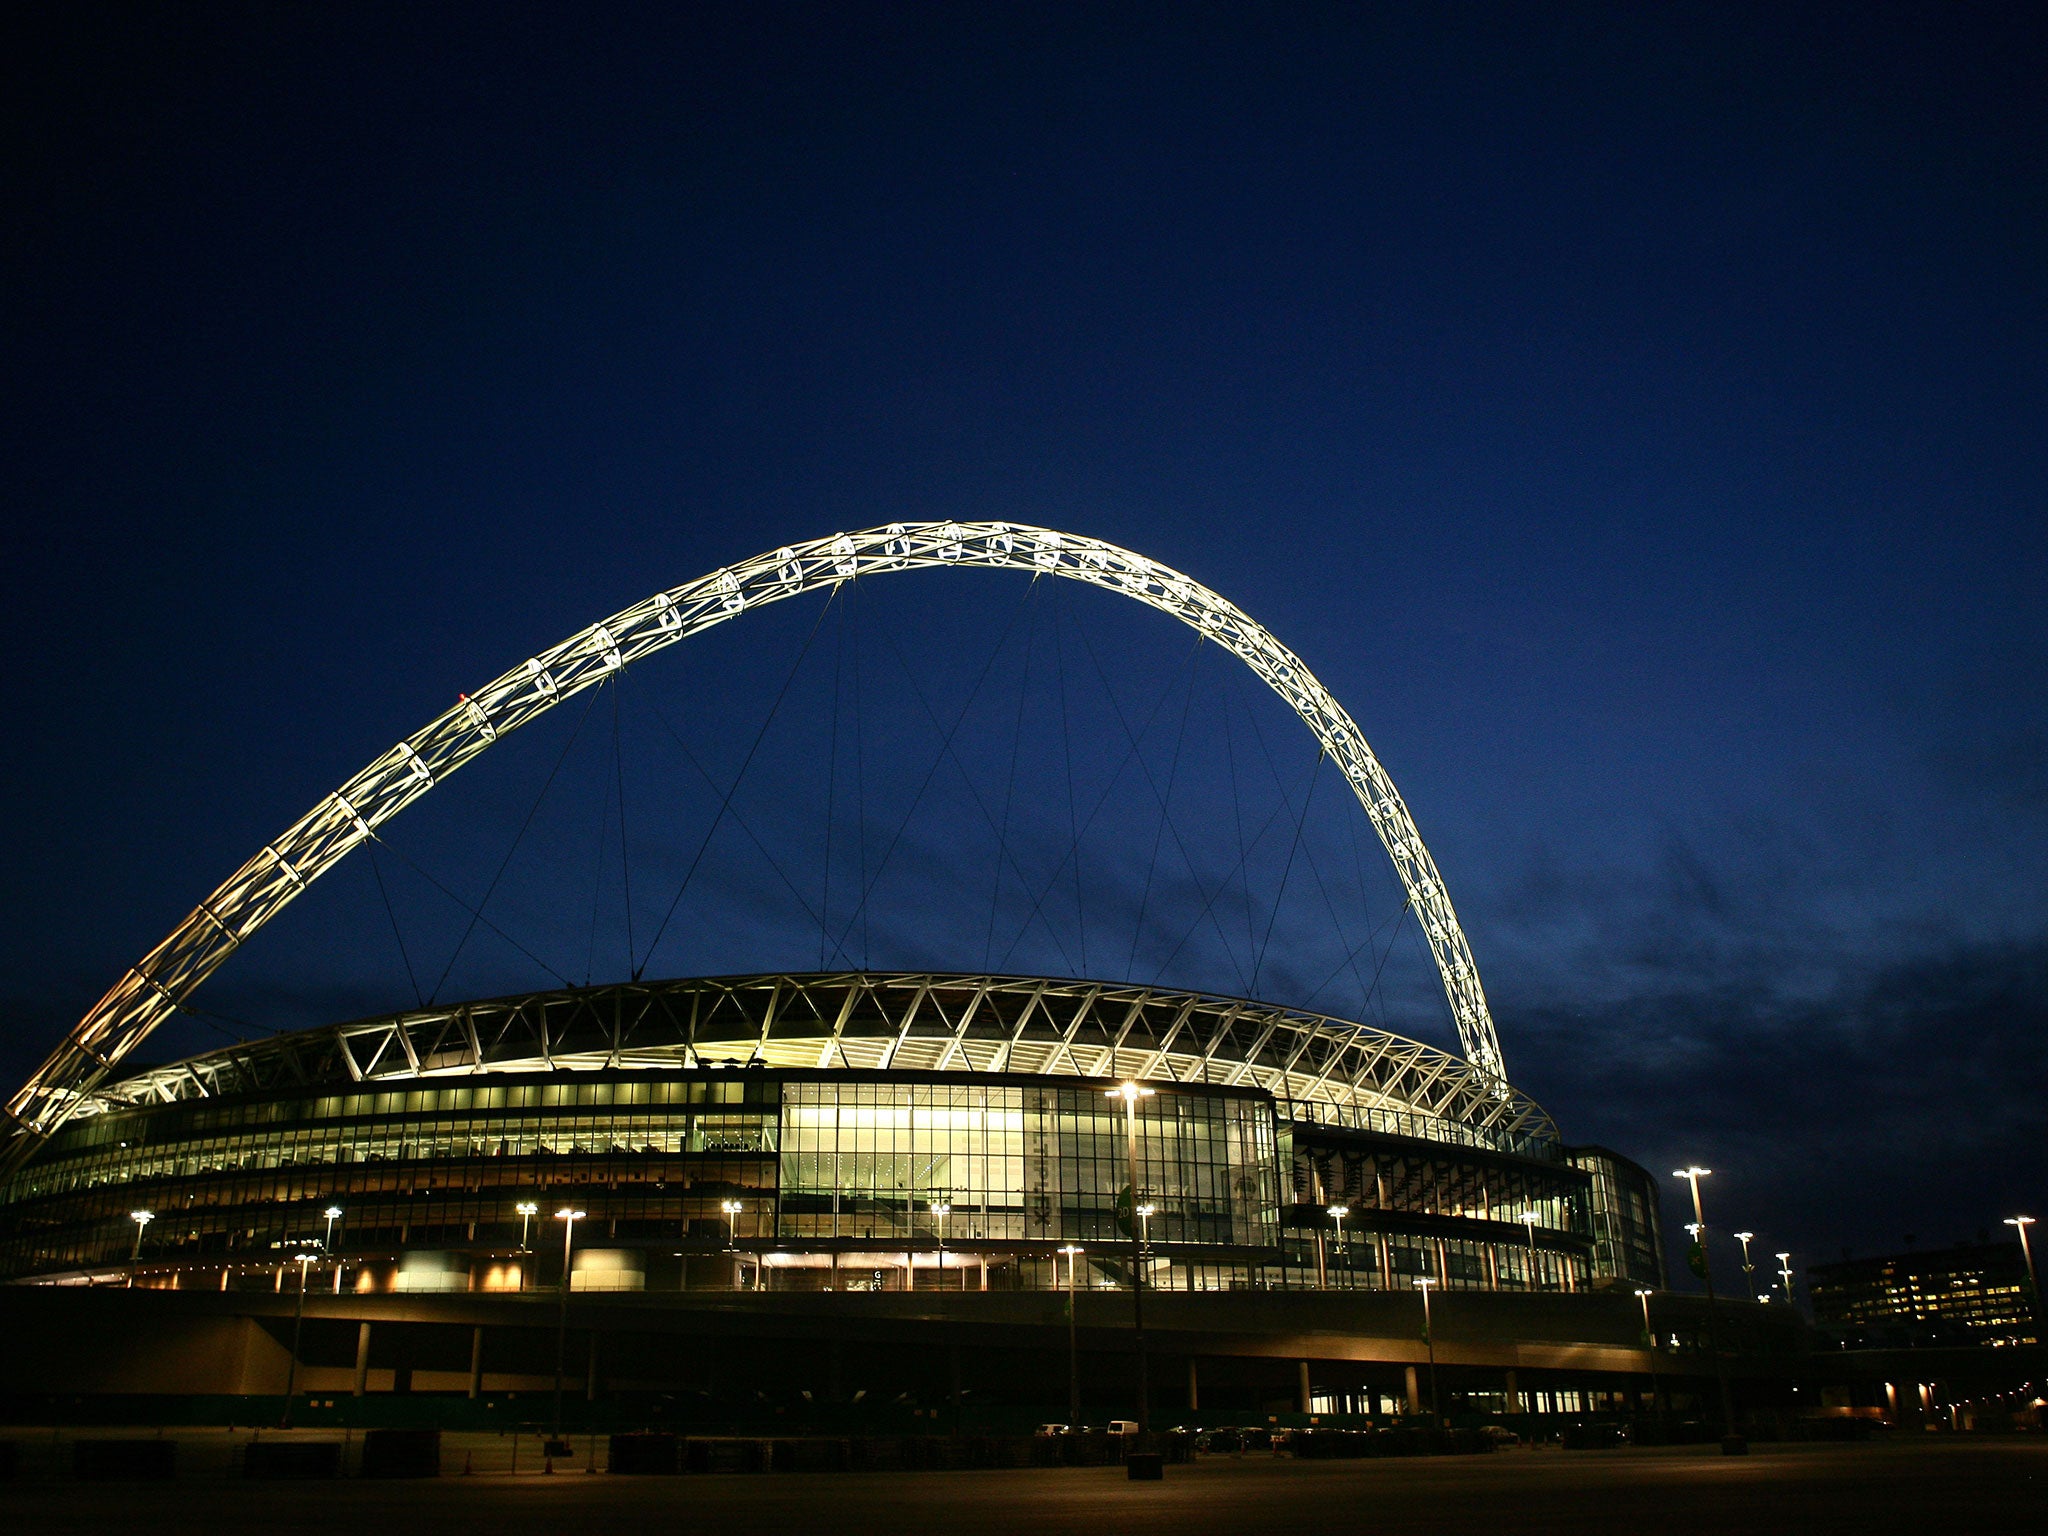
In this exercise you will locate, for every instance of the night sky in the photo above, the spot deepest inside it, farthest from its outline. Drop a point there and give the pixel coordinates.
(1635, 415)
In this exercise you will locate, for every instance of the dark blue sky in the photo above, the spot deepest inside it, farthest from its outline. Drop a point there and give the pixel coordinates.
(1634, 414)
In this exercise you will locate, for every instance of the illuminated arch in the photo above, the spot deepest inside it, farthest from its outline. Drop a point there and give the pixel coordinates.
(263, 886)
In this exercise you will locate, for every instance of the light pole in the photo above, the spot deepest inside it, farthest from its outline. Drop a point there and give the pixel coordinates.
(940, 1211)
(527, 1210)
(1073, 1347)
(333, 1214)
(1785, 1276)
(1748, 1269)
(1337, 1214)
(1145, 1214)
(2020, 1225)
(304, 1259)
(732, 1209)
(1528, 1220)
(1650, 1343)
(568, 1216)
(1422, 1284)
(144, 1217)
(1130, 1093)
(1730, 1441)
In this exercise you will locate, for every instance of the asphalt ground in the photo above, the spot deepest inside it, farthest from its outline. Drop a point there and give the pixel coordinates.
(1947, 1486)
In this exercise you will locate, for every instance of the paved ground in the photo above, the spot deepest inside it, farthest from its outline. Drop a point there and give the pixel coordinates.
(1950, 1487)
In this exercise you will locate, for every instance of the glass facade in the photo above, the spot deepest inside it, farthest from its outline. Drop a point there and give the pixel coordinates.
(718, 1178)
(1021, 1164)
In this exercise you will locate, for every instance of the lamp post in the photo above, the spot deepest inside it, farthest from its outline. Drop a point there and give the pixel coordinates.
(527, 1210)
(1748, 1269)
(2020, 1225)
(1422, 1284)
(732, 1209)
(1785, 1275)
(304, 1259)
(1337, 1214)
(940, 1211)
(1650, 1343)
(1073, 1347)
(1731, 1442)
(333, 1214)
(1145, 1213)
(568, 1216)
(1130, 1093)
(144, 1217)
(1528, 1220)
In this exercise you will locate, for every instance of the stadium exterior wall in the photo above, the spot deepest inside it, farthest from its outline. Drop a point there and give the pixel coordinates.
(845, 1132)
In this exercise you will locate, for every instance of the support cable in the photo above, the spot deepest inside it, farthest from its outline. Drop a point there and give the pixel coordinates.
(1165, 808)
(1385, 955)
(604, 826)
(726, 804)
(938, 762)
(419, 997)
(1286, 869)
(738, 819)
(1216, 893)
(625, 858)
(1116, 775)
(1003, 854)
(1067, 749)
(1153, 784)
(477, 912)
(1315, 869)
(995, 900)
(831, 789)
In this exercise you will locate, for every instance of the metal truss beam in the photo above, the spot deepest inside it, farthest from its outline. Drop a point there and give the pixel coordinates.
(172, 971)
(1321, 1068)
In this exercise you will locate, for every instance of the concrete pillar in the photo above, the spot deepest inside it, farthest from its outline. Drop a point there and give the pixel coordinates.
(1304, 1392)
(476, 1362)
(362, 1359)
(590, 1370)
(1514, 1394)
(1414, 1391)
(1194, 1387)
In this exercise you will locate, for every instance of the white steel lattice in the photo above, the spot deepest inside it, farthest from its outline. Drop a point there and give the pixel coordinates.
(1318, 1068)
(262, 887)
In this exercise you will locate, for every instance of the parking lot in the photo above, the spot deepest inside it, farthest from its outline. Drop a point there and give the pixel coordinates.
(1951, 1484)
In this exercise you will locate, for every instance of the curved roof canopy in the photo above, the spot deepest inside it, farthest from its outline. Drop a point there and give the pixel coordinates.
(1318, 1067)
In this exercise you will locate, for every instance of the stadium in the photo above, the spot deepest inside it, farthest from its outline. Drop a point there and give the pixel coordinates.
(744, 1138)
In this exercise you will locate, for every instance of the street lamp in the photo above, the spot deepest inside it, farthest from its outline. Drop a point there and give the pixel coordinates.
(304, 1259)
(940, 1211)
(1422, 1284)
(1073, 1349)
(1785, 1275)
(527, 1210)
(1650, 1343)
(1130, 1093)
(1748, 1269)
(568, 1216)
(732, 1209)
(1731, 1443)
(333, 1214)
(2020, 1225)
(1337, 1214)
(1528, 1220)
(144, 1217)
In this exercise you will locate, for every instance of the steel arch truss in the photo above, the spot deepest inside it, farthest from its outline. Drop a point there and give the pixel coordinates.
(274, 877)
(1318, 1068)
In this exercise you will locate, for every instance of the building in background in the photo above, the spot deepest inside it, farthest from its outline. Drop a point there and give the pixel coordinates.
(1975, 1293)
